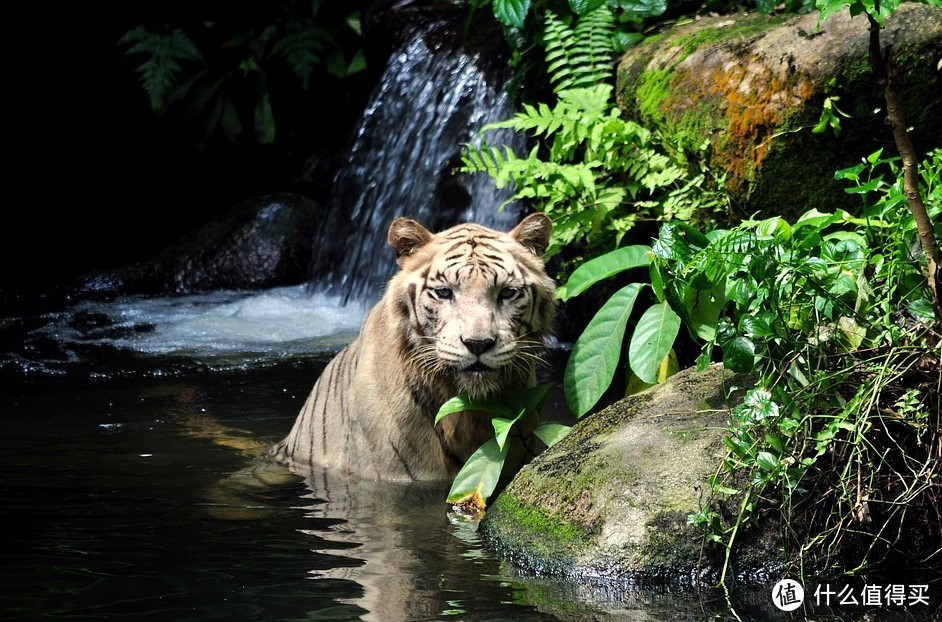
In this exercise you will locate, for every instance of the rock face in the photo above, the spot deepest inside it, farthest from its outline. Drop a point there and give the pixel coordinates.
(611, 500)
(752, 87)
(259, 243)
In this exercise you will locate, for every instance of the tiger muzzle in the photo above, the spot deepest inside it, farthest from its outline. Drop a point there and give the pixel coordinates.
(478, 346)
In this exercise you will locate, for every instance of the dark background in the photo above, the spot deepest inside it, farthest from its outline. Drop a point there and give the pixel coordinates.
(95, 179)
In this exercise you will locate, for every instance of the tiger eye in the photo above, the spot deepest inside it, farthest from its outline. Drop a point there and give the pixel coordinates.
(509, 293)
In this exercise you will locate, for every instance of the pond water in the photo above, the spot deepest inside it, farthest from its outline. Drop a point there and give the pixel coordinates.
(131, 487)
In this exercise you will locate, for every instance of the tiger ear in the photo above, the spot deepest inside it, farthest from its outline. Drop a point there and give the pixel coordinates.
(406, 236)
(534, 232)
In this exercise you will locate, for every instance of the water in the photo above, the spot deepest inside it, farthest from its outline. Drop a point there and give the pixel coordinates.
(117, 507)
(133, 486)
(432, 98)
(282, 321)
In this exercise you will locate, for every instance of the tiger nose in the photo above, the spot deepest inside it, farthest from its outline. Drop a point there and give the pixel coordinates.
(478, 346)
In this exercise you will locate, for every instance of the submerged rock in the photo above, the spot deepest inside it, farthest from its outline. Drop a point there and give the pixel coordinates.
(750, 88)
(611, 500)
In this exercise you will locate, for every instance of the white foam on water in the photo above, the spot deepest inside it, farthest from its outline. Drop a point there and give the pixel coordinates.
(287, 320)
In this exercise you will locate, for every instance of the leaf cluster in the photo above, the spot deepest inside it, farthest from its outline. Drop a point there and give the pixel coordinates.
(163, 55)
(598, 350)
(480, 475)
(577, 29)
(816, 309)
(593, 172)
(225, 76)
(583, 55)
(832, 312)
(514, 14)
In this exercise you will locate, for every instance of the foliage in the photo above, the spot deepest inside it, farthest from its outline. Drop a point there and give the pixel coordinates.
(531, 28)
(226, 74)
(514, 14)
(834, 316)
(887, 77)
(163, 52)
(596, 175)
(580, 56)
(817, 309)
(593, 172)
(596, 353)
(879, 9)
(480, 475)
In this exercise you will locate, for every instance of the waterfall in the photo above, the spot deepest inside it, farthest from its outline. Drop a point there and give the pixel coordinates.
(432, 98)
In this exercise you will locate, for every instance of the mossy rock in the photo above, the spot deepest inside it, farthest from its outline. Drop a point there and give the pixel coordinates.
(611, 500)
(749, 88)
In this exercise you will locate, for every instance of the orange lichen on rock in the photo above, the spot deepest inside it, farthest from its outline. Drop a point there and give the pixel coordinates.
(742, 93)
(757, 104)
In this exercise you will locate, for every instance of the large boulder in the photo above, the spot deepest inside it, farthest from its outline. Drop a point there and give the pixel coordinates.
(751, 87)
(611, 500)
(259, 243)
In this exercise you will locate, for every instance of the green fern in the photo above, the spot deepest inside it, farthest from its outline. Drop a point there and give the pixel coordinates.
(302, 49)
(583, 55)
(159, 71)
(595, 174)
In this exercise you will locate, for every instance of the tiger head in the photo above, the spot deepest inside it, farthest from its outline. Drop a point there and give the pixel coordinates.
(474, 304)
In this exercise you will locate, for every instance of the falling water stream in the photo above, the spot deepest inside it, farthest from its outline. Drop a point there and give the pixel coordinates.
(432, 99)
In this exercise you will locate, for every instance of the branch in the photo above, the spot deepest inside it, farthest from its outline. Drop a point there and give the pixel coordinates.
(886, 73)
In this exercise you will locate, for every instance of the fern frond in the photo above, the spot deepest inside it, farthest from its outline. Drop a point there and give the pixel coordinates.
(163, 53)
(582, 55)
(303, 49)
(557, 41)
(594, 47)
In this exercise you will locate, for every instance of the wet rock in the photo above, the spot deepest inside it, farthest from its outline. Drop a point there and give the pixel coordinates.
(751, 88)
(611, 500)
(260, 243)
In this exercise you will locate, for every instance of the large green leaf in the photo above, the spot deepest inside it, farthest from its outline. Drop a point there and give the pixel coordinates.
(641, 8)
(596, 352)
(739, 354)
(502, 428)
(480, 474)
(552, 433)
(600, 268)
(653, 338)
(511, 13)
(462, 403)
(706, 312)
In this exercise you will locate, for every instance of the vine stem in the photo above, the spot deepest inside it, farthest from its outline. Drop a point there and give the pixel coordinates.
(732, 536)
(886, 73)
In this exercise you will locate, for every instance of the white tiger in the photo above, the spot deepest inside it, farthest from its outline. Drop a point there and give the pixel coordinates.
(466, 314)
